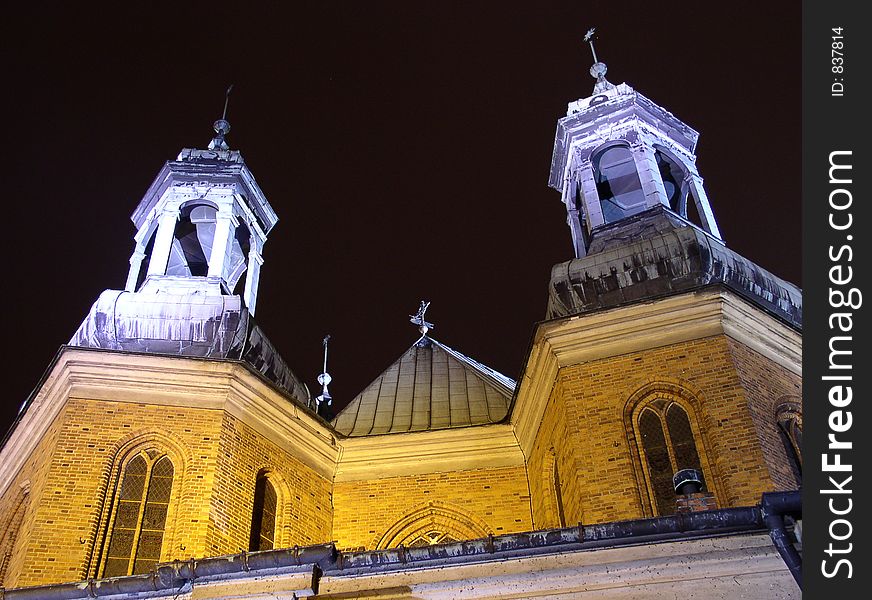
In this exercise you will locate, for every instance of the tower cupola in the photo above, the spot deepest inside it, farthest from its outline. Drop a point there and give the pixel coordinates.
(640, 219)
(201, 226)
(617, 154)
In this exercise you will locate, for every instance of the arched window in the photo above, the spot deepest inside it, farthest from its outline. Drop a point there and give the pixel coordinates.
(263, 518)
(667, 446)
(140, 514)
(617, 183)
(435, 523)
(192, 243)
(789, 420)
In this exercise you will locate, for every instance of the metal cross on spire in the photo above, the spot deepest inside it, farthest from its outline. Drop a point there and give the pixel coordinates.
(221, 126)
(418, 318)
(598, 69)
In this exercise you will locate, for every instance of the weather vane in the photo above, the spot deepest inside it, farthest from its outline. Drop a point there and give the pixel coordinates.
(418, 318)
(221, 126)
(324, 379)
(588, 37)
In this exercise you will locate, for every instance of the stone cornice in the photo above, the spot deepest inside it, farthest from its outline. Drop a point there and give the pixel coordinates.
(643, 326)
(400, 454)
(169, 381)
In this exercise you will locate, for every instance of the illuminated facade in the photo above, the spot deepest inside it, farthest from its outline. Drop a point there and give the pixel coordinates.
(170, 452)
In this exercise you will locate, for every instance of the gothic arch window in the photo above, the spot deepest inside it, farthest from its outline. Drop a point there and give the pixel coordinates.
(667, 445)
(435, 523)
(139, 514)
(617, 183)
(789, 419)
(263, 518)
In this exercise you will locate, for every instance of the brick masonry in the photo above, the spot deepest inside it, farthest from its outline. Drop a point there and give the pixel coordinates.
(57, 509)
(729, 392)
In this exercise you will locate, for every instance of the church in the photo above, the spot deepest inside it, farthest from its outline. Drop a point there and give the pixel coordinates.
(651, 447)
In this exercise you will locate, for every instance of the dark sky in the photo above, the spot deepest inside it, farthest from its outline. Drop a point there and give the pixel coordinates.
(405, 147)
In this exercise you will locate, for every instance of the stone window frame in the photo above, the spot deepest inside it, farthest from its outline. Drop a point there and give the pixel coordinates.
(432, 517)
(152, 457)
(788, 420)
(681, 395)
(125, 451)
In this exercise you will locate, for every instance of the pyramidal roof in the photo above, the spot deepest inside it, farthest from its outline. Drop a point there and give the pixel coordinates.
(431, 386)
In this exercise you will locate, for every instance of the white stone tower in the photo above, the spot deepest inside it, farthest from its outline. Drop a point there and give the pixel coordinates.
(201, 226)
(617, 154)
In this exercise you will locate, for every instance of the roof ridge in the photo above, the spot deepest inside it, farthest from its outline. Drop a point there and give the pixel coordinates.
(497, 377)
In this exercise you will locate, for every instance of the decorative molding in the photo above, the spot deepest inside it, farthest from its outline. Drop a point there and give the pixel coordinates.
(417, 453)
(89, 374)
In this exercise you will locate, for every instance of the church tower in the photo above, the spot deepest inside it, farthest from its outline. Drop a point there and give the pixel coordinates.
(617, 154)
(666, 357)
(169, 427)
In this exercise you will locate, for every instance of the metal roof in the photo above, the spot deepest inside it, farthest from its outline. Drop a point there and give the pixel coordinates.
(431, 386)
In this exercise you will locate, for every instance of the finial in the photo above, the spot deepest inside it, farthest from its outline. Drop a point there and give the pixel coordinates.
(221, 126)
(324, 379)
(418, 319)
(598, 69)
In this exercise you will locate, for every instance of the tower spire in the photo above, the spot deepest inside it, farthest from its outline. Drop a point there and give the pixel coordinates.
(598, 69)
(221, 126)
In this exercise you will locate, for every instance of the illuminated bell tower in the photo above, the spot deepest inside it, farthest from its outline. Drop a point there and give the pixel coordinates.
(617, 154)
(192, 285)
(201, 226)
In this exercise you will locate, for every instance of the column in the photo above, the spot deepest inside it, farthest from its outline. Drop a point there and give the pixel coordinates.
(253, 276)
(703, 207)
(135, 265)
(649, 175)
(590, 197)
(225, 229)
(163, 241)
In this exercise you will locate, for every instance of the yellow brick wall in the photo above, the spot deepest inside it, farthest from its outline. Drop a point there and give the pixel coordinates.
(365, 510)
(216, 460)
(608, 483)
(767, 385)
(304, 497)
(32, 477)
(586, 430)
(70, 517)
(551, 448)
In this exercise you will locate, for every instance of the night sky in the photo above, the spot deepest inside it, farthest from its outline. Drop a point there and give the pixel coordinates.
(404, 146)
